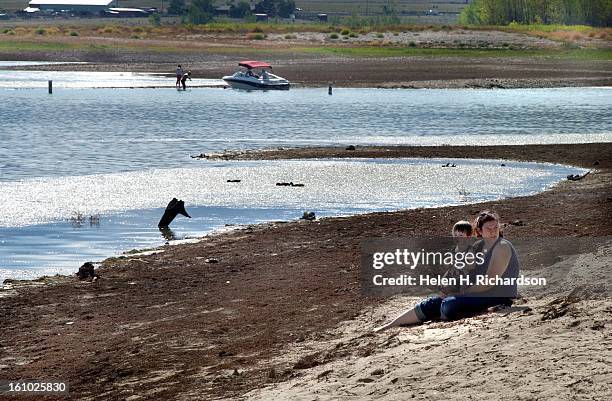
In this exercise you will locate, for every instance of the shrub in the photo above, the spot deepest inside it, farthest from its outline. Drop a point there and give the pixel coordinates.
(256, 36)
(73, 33)
(411, 44)
(334, 36)
(40, 31)
(201, 12)
(345, 32)
(240, 10)
(135, 37)
(109, 29)
(155, 19)
(380, 35)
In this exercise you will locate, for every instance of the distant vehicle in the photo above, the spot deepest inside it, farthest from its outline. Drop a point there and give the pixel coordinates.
(432, 12)
(4, 16)
(250, 81)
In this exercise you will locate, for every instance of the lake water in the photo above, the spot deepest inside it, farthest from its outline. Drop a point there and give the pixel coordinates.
(122, 154)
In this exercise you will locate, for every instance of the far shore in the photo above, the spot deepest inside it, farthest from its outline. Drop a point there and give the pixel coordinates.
(265, 313)
(386, 73)
(418, 57)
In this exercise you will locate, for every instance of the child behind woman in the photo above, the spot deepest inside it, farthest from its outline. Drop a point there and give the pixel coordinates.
(462, 232)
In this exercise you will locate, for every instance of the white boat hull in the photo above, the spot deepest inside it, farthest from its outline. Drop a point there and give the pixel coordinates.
(252, 83)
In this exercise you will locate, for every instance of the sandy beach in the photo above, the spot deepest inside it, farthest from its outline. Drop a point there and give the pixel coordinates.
(275, 310)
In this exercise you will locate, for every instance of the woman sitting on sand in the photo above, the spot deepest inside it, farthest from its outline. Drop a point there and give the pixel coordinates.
(500, 260)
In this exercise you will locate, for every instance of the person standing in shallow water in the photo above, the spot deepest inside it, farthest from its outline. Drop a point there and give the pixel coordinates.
(184, 79)
(500, 260)
(179, 75)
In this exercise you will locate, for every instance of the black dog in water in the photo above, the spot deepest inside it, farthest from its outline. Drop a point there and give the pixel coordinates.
(174, 208)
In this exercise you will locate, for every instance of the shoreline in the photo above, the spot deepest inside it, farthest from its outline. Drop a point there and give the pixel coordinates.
(224, 230)
(407, 72)
(275, 286)
(546, 153)
(489, 84)
(348, 83)
(256, 155)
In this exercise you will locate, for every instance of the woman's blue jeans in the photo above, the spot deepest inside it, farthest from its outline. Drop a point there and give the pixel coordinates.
(456, 307)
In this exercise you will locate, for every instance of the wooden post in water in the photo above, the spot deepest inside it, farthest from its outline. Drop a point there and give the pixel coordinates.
(50, 87)
(329, 89)
(174, 208)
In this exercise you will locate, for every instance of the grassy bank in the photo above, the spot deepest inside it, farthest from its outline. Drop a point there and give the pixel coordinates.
(137, 45)
(120, 29)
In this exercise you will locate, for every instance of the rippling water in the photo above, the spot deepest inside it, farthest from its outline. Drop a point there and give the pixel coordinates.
(14, 79)
(74, 132)
(123, 154)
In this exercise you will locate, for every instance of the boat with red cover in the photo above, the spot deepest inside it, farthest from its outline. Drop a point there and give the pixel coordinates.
(257, 76)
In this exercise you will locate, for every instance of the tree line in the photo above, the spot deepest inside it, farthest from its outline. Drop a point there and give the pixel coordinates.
(568, 12)
(202, 11)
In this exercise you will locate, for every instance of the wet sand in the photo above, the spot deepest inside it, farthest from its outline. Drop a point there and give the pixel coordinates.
(281, 307)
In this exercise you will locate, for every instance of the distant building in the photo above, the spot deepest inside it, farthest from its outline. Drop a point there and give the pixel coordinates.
(261, 17)
(76, 6)
(222, 10)
(126, 12)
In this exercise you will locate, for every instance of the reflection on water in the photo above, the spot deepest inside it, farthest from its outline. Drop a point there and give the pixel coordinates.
(13, 79)
(330, 185)
(168, 234)
(29, 63)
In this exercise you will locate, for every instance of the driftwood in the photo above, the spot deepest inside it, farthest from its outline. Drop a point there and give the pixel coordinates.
(288, 184)
(576, 177)
(174, 208)
(310, 216)
(86, 272)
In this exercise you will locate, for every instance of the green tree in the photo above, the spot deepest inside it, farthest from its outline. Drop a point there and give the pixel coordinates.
(470, 15)
(240, 10)
(155, 19)
(177, 7)
(285, 8)
(266, 7)
(390, 8)
(501, 12)
(201, 11)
